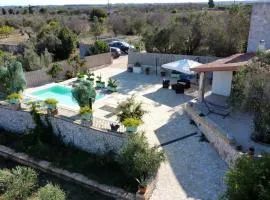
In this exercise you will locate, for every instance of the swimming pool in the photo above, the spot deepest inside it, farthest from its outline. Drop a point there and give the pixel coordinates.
(61, 93)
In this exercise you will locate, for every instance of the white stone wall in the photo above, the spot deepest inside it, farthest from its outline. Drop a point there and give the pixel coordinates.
(85, 138)
(222, 83)
(259, 26)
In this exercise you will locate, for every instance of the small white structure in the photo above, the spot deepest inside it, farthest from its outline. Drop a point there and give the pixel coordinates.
(222, 73)
(222, 83)
(182, 66)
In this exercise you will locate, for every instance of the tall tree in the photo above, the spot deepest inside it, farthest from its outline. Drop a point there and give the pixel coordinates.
(211, 4)
(4, 12)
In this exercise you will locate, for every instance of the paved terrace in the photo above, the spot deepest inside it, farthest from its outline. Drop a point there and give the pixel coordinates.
(193, 169)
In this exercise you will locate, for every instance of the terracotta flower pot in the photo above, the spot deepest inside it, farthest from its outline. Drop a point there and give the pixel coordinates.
(142, 190)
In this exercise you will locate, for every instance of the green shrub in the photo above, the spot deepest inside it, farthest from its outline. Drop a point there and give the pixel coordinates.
(14, 96)
(249, 179)
(21, 183)
(51, 192)
(97, 12)
(138, 159)
(80, 75)
(130, 109)
(55, 69)
(6, 30)
(99, 47)
(5, 177)
(132, 122)
(112, 83)
(85, 110)
(251, 92)
(51, 101)
(12, 78)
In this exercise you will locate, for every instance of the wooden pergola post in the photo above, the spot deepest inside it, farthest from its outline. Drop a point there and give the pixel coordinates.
(201, 86)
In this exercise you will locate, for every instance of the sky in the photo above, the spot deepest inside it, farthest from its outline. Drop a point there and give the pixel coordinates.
(62, 2)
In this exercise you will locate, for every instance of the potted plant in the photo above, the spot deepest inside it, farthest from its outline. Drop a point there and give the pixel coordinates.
(112, 85)
(137, 68)
(86, 112)
(14, 98)
(132, 124)
(80, 76)
(99, 82)
(91, 77)
(51, 104)
(142, 187)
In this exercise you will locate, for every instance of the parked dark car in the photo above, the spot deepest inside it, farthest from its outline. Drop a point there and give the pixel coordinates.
(115, 52)
(123, 46)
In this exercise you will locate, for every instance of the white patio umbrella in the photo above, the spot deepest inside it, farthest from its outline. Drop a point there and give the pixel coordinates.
(182, 66)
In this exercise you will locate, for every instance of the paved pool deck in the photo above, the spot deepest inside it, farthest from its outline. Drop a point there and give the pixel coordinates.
(193, 169)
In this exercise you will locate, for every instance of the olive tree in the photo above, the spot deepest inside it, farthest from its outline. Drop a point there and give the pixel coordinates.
(12, 78)
(84, 94)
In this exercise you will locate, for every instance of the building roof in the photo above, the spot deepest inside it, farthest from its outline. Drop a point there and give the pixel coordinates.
(231, 63)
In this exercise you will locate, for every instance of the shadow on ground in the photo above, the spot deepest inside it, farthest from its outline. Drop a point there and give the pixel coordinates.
(195, 164)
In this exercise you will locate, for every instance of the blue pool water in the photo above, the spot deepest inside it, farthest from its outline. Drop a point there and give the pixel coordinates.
(62, 94)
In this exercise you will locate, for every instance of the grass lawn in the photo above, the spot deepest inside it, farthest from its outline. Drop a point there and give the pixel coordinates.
(103, 169)
(73, 191)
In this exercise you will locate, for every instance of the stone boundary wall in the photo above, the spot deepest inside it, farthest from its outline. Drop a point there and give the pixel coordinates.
(215, 135)
(39, 77)
(153, 59)
(80, 179)
(82, 136)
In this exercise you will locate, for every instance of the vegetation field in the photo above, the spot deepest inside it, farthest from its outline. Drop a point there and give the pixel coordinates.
(73, 191)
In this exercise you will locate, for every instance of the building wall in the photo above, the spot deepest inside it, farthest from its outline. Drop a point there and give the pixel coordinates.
(222, 83)
(153, 59)
(259, 26)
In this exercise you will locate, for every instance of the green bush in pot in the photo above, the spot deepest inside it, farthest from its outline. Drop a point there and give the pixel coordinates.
(51, 103)
(86, 112)
(112, 85)
(99, 82)
(14, 98)
(132, 124)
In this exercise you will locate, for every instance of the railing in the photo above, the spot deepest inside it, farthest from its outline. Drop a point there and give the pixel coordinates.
(106, 125)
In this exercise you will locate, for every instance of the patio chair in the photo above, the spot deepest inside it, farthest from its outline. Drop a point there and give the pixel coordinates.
(186, 81)
(166, 83)
(179, 88)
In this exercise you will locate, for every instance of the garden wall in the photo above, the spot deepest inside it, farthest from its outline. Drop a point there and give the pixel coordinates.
(158, 59)
(82, 136)
(215, 135)
(39, 77)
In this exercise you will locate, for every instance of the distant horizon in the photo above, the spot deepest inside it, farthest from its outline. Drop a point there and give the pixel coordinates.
(102, 2)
